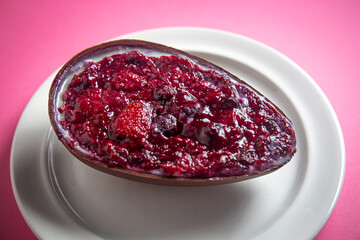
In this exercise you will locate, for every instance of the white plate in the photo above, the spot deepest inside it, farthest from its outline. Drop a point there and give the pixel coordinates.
(61, 198)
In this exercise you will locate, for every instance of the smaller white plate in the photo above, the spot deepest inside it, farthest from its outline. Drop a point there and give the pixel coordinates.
(61, 198)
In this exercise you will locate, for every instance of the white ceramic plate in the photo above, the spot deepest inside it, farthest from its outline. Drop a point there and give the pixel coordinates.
(61, 198)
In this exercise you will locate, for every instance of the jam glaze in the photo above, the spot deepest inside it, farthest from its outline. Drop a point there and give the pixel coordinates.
(171, 116)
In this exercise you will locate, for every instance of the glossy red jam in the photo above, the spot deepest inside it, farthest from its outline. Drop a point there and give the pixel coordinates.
(169, 116)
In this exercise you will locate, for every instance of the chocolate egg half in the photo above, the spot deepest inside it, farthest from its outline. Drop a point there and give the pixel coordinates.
(151, 113)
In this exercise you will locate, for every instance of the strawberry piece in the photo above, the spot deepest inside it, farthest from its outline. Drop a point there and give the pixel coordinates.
(134, 121)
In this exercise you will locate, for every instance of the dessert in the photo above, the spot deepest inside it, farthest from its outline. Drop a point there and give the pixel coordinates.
(148, 108)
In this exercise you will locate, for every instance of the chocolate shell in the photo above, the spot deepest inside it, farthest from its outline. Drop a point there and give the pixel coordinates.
(273, 137)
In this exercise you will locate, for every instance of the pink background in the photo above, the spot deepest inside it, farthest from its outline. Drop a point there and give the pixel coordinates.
(323, 37)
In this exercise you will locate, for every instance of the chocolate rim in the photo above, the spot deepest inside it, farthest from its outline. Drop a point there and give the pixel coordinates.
(132, 174)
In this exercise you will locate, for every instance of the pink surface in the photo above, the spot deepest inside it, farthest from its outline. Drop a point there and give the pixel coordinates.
(323, 37)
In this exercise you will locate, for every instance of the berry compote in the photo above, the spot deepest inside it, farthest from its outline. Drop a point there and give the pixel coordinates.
(169, 116)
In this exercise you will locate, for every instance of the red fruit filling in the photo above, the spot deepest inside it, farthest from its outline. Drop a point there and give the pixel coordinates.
(169, 116)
